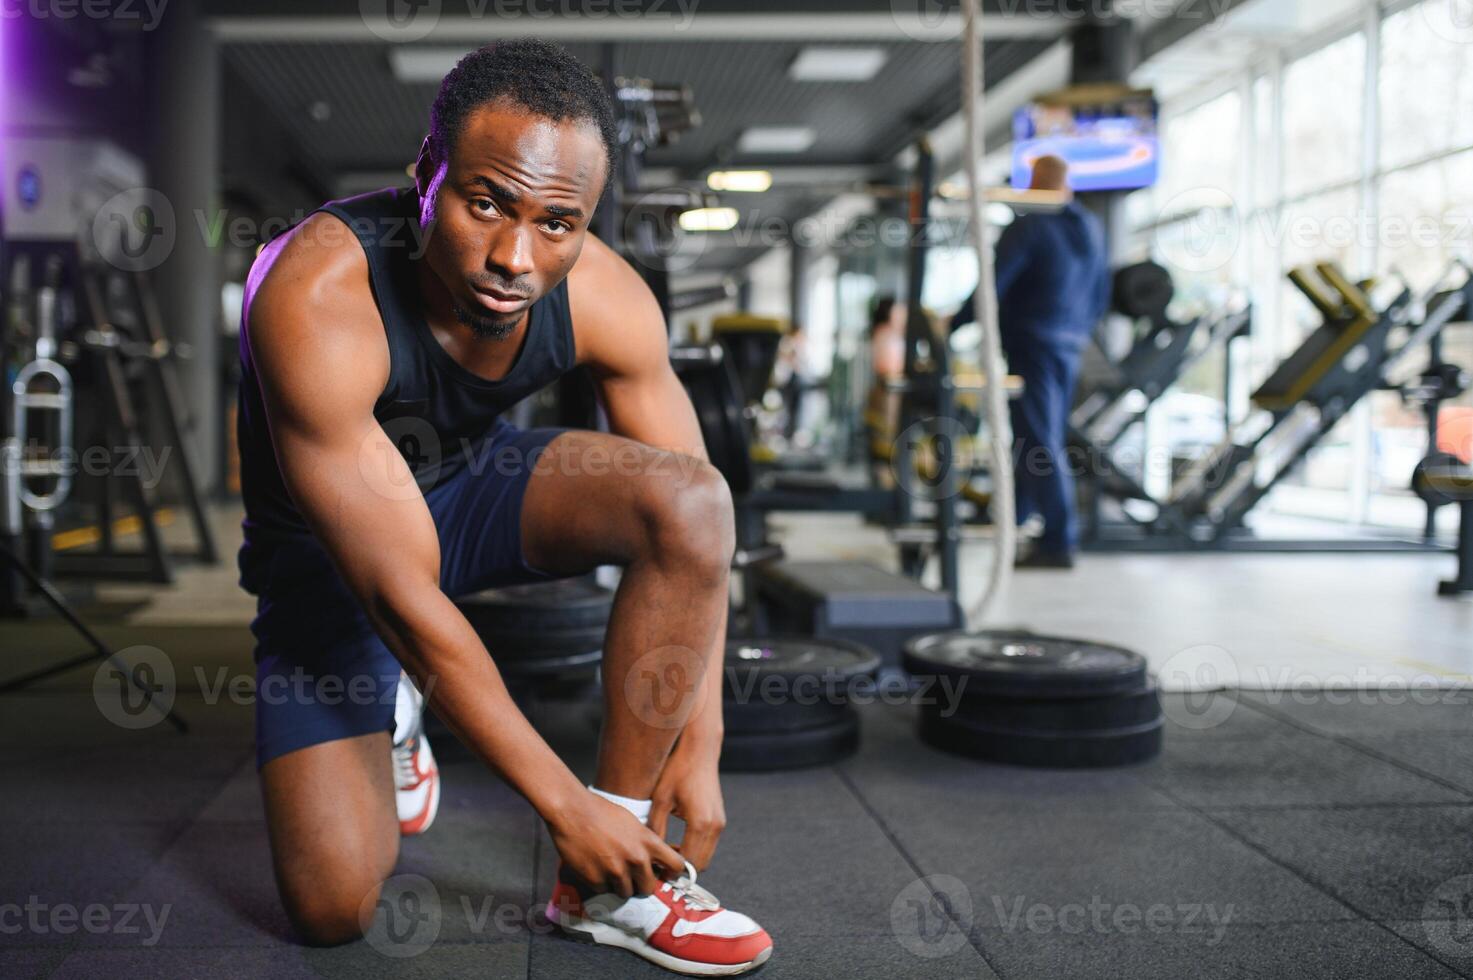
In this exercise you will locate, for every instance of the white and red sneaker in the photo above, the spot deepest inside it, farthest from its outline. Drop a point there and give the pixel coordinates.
(681, 927)
(416, 777)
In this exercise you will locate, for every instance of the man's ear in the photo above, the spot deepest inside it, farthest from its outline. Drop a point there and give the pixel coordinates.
(425, 166)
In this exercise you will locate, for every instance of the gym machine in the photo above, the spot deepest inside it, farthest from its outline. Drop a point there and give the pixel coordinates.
(1443, 478)
(1359, 348)
(1432, 384)
(37, 458)
(135, 367)
(640, 224)
(1162, 352)
(103, 325)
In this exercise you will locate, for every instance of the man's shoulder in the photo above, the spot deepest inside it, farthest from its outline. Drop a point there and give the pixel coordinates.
(319, 246)
(317, 263)
(600, 268)
(313, 278)
(1084, 214)
(610, 304)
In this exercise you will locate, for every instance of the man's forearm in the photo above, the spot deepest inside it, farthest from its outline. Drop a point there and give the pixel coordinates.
(447, 660)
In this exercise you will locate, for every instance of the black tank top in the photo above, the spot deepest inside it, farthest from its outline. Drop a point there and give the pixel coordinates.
(436, 412)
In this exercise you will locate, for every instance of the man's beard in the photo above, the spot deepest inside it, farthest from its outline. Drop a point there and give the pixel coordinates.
(488, 326)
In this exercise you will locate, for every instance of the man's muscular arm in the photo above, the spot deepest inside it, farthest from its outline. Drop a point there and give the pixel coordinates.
(317, 340)
(622, 339)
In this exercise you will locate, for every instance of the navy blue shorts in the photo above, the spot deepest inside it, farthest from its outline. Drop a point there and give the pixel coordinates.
(322, 673)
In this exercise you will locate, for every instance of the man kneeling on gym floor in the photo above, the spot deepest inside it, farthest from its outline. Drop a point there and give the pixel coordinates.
(425, 313)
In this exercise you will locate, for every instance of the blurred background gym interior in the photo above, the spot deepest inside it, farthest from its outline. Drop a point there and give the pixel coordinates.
(1214, 724)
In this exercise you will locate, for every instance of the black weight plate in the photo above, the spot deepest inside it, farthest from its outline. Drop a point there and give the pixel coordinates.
(791, 750)
(1424, 483)
(715, 394)
(1124, 710)
(559, 604)
(1046, 750)
(790, 684)
(1017, 664)
(1142, 290)
(548, 641)
(758, 715)
(545, 663)
(792, 657)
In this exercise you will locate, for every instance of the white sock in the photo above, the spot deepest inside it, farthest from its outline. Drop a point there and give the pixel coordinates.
(633, 912)
(640, 808)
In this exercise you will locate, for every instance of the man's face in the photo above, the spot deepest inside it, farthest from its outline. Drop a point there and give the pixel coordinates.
(510, 209)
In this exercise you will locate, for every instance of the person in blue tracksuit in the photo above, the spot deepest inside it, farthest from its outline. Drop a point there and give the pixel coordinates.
(1053, 285)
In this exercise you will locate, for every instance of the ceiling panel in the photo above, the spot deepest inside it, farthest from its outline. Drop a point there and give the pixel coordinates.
(365, 119)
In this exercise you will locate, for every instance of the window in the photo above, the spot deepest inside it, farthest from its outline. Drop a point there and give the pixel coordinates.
(1194, 214)
(1198, 152)
(1323, 109)
(951, 275)
(1265, 160)
(1426, 82)
(821, 323)
(1426, 218)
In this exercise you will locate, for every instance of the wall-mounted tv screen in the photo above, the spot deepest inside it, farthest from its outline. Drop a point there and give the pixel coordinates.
(1109, 147)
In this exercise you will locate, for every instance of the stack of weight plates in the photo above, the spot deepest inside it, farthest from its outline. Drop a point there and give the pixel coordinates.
(786, 701)
(1033, 700)
(542, 630)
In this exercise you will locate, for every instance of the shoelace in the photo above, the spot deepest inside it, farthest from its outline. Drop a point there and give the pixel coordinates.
(693, 895)
(405, 772)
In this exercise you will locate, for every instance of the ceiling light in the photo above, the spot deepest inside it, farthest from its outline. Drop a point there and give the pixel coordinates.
(423, 64)
(709, 219)
(826, 64)
(776, 139)
(743, 181)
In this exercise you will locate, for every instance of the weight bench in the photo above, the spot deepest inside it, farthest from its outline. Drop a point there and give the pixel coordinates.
(853, 601)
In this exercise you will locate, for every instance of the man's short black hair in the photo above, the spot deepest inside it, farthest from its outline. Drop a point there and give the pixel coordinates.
(531, 73)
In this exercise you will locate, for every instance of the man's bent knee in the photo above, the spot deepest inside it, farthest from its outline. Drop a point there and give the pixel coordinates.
(694, 523)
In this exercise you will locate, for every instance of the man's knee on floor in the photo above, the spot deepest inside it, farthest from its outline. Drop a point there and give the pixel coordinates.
(336, 906)
(331, 917)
